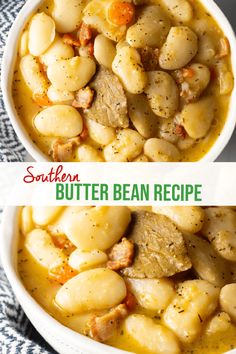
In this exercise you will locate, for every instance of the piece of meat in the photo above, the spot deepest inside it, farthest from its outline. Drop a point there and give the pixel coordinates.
(89, 49)
(62, 242)
(130, 301)
(160, 248)
(103, 327)
(70, 40)
(207, 264)
(85, 34)
(86, 51)
(83, 98)
(63, 150)
(110, 104)
(180, 131)
(149, 58)
(121, 255)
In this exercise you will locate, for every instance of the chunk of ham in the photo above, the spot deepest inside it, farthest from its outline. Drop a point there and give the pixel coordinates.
(83, 98)
(103, 327)
(121, 255)
(180, 131)
(85, 34)
(63, 150)
(69, 39)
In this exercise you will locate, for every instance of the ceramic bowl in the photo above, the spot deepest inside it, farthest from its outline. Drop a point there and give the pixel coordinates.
(8, 65)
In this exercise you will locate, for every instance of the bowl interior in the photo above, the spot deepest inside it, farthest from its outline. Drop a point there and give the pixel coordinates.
(8, 64)
(61, 338)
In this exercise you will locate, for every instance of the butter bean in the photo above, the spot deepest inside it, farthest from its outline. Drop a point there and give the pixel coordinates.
(104, 50)
(142, 116)
(71, 74)
(152, 294)
(41, 33)
(82, 260)
(23, 46)
(162, 93)
(101, 134)
(128, 67)
(228, 300)
(171, 57)
(151, 336)
(58, 226)
(126, 147)
(95, 289)
(220, 229)
(87, 153)
(58, 96)
(180, 10)
(44, 215)
(186, 218)
(218, 324)
(57, 51)
(159, 150)
(197, 117)
(41, 247)
(59, 121)
(195, 302)
(67, 14)
(151, 28)
(32, 75)
(98, 227)
(26, 223)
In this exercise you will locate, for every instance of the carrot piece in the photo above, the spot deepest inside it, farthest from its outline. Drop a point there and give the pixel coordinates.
(85, 34)
(121, 13)
(188, 73)
(68, 39)
(62, 273)
(41, 99)
(62, 242)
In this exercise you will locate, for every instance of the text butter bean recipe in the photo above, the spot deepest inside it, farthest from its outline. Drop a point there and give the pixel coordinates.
(129, 192)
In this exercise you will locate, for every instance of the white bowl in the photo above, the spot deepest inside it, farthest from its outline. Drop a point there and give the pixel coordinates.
(61, 338)
(8, 65)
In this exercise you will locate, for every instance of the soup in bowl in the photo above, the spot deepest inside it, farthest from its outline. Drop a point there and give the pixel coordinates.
(146, 280)
(123, 81)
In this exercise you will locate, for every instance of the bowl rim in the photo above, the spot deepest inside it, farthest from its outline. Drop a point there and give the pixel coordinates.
(8, 64)
(9, 230)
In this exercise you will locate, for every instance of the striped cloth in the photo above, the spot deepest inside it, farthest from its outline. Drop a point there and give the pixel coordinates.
(17, 335)
(10, 148)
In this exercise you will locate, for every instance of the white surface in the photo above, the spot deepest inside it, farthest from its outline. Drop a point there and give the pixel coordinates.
(9, 61)
(229, 8)
(14, 191)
